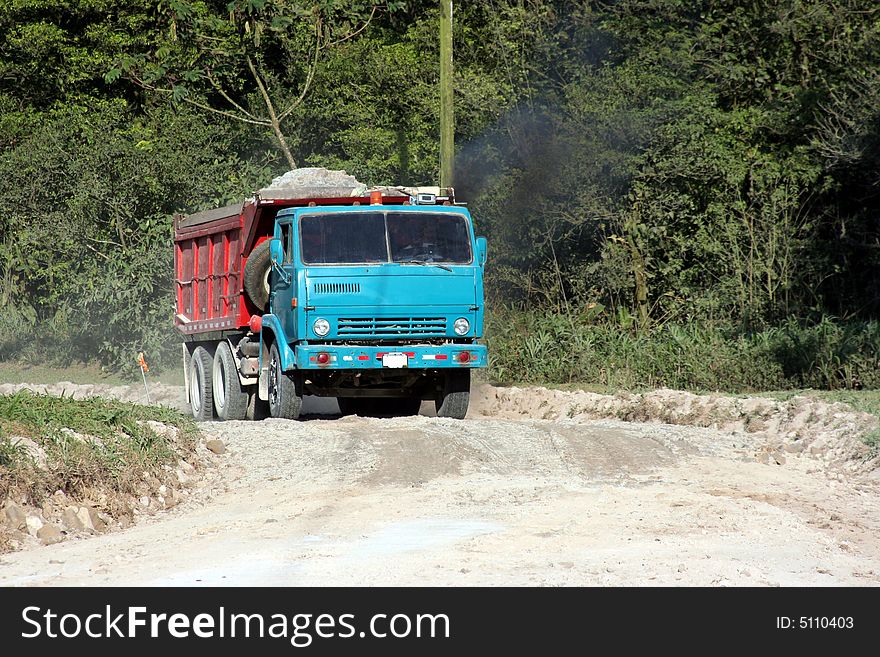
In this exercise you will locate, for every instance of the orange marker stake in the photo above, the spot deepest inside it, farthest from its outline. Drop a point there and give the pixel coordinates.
(144, 369)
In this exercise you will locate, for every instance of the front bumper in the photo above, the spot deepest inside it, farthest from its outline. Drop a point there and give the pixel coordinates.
(349, 357)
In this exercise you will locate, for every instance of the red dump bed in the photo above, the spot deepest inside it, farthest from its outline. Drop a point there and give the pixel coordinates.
(210, 251)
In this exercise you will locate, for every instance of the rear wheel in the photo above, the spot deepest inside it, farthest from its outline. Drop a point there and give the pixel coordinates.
(230, 399)
(201, 394)
(455, 396)
(285, 390)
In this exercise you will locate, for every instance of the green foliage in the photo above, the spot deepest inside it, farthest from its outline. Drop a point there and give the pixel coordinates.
(251, 61)
(89, 442)
(702, 161)
(44, 415)
(650, 173)
(60, 49)
(12, 452)
(88, 201)
(544, 347)
(719, 216)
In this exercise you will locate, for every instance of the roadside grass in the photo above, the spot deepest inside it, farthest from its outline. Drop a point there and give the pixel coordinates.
(540, 347)
(831, 359)
(50, 443)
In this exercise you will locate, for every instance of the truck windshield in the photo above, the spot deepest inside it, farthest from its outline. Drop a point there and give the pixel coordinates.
(350, 237)
(424, 237)
(360, 237)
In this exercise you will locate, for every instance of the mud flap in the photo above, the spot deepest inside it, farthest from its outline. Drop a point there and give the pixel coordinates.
(263, 387)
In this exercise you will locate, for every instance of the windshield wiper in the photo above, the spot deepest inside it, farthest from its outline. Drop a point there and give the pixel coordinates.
(424, 264)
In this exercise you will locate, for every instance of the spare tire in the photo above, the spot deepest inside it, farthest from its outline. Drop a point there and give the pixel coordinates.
(256, 276)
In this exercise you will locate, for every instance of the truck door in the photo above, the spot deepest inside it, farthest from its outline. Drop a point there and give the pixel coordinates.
(283, 287)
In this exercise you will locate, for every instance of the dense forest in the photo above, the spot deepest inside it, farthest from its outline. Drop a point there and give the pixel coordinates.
(675, 192)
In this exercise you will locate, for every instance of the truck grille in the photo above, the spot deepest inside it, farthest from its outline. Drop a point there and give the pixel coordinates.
(391, 326)
(337, 288)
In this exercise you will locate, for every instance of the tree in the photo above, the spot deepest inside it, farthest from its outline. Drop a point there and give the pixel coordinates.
(59, 50)
(88, 205)
(252, 61)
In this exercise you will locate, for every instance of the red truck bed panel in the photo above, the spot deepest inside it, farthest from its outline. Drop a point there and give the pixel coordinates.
(208, 260)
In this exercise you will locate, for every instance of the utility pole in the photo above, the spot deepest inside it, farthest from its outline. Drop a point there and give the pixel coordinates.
(447, 121)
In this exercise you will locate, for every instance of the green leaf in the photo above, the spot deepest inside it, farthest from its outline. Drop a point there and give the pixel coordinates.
(280, 23)
(178, 92)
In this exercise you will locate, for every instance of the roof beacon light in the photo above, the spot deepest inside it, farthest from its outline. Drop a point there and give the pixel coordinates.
(376, 197)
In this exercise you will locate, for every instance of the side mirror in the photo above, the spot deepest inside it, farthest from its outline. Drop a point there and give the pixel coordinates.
(276, 256)
(276, 251)
(482, 247)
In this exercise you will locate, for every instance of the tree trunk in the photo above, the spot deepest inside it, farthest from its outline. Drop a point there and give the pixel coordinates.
(282, 142)
(447, 125)
(273, 117)
(638, 268)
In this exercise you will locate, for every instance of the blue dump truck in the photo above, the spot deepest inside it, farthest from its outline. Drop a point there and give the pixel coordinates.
(374, 297)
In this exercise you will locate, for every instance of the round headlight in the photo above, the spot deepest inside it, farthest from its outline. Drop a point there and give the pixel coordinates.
(461, 326)
(321, 327)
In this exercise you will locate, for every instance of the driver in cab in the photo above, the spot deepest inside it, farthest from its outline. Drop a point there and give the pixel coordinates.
(417, 241)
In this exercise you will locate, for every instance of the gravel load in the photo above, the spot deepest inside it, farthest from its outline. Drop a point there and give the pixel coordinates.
(315, 182)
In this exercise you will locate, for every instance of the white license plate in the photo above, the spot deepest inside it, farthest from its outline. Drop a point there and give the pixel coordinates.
(394, 359)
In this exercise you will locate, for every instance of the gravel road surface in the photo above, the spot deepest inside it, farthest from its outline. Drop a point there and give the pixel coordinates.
(531, 489)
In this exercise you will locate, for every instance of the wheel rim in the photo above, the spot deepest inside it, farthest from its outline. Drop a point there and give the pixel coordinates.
(220, 390)
(266, 281)
(196, 390)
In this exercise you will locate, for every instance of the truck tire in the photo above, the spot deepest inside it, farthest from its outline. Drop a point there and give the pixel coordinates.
(230, 399)
(201, 393)
(453, 400)
(256, 276)
(285, 390)
(187, 363)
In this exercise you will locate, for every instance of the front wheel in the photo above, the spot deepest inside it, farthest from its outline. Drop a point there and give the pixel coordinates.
(285, 390)
(455, 395)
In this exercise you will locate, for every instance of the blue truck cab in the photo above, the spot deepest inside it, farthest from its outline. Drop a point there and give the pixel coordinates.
(378, 305)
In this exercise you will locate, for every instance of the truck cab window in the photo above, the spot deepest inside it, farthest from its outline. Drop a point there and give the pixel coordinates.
(428, 237)
(349, 238)
(285, 242)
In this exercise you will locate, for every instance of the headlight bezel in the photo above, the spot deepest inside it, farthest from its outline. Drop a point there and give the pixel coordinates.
(322, 323)
(461, 321)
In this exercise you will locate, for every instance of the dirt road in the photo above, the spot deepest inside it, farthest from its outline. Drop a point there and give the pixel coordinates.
(529, 490)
